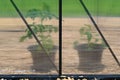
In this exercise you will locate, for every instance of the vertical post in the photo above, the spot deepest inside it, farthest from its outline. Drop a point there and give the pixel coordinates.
(96, 26)
(60, 37)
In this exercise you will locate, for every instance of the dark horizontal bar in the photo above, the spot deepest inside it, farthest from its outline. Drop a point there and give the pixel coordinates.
(54, 77)
(12, 30)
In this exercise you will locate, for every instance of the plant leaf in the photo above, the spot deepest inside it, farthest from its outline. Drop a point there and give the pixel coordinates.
(22, 38)
(89, 36)
(96, 40)
(82, 30)
(33, 13)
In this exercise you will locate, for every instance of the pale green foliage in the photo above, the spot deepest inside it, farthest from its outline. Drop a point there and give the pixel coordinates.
(91, 37)
(42, 31)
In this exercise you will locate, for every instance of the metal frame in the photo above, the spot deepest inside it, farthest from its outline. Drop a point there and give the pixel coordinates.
(61, 76)
(65, 76)
(60, 37)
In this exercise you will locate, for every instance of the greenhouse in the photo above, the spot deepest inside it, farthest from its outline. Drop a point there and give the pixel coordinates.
(59, 40)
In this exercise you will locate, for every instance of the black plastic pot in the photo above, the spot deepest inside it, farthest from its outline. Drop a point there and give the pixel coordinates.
(42, 62)
(90, 60)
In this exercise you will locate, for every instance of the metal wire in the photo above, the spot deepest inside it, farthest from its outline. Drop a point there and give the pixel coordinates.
(96, 26)
(38, 41)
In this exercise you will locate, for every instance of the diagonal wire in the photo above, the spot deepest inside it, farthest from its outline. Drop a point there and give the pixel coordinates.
(20, 14)
(96, 26)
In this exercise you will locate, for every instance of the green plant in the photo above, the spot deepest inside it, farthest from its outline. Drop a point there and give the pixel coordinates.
(42, 31)
(92, 38)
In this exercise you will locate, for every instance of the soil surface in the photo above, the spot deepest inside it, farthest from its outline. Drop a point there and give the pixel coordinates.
(16, 58)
